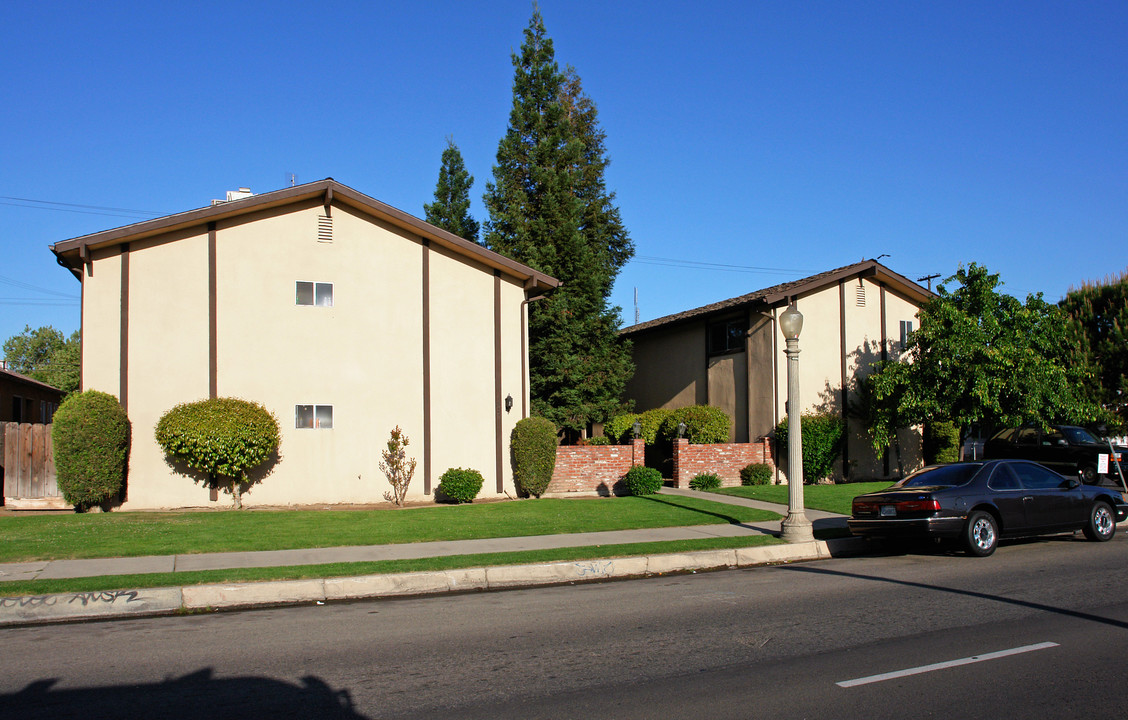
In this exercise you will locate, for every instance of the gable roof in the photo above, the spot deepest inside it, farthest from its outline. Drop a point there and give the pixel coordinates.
(72, 253)
(21, 379)
(781, 294)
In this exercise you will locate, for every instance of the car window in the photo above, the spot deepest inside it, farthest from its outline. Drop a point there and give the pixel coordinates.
(1036, 477)
(1027, 436)
(1079, 435)
(1052, 437)
(942, 475)
(1004, 435)
(1004, 479)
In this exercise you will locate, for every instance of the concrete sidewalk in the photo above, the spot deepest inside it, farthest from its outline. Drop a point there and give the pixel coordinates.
(74, 606)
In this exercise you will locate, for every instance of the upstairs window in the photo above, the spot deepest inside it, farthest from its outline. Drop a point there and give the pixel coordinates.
(726, 336)
(906, 330)
(313, 417)
(314, 293)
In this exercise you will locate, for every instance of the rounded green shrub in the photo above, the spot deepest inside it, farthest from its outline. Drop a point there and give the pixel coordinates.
(598, 440)
(641, 480)
(221, 437)
(651, 422)
(824, 437)
(705, 481)
(90, 433)
(461, 485)
(533, 444)
(703, 424)
(756, 474)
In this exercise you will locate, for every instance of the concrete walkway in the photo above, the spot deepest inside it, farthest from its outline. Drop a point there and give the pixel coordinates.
(71, 606)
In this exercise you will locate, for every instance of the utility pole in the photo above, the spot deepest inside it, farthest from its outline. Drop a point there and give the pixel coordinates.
(929, 278)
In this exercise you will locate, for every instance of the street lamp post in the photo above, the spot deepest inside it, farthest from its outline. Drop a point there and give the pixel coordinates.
(795, 527)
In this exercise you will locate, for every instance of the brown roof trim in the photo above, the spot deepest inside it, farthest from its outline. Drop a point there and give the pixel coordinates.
(71, 252)
(781, 294)
(25, 380)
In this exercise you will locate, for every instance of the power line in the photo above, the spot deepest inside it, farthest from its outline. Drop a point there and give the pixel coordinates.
(35, 288)
(75, 207)
(674, 262)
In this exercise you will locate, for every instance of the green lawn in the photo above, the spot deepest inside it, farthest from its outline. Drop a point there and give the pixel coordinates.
(121, 534)
(830, 498)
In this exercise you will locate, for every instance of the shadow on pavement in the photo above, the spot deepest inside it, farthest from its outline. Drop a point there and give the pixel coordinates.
(198, 696)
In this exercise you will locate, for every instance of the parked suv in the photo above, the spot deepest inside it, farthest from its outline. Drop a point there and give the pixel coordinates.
(1068, 449)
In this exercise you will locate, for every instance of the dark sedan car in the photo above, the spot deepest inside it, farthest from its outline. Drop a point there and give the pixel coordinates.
(1068, 449)
(980, 502)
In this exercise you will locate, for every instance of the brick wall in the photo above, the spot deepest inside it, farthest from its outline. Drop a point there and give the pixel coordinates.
(594, 468)
(724, 459)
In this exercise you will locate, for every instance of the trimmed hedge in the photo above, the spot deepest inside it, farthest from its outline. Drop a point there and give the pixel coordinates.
(220, 436)
(533, 444)
(705, 481)
(756, 474)
(704, 424)
(941, 443)
(641, 480)
(460, 485)
(90, 433)
(824, 437)
(618, 428)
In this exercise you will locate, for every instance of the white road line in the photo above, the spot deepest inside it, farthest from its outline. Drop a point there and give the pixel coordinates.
(945, 665)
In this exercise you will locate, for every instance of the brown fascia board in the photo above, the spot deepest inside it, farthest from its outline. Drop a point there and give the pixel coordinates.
(783, 293)
(71, 253)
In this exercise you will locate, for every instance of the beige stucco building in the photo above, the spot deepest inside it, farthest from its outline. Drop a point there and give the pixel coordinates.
(345, 317)
(731, 354)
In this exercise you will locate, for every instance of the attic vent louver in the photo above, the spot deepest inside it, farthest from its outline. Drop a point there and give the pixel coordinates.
(324, 229)
(861, 295)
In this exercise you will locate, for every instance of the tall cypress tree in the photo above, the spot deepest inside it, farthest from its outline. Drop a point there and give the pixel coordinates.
(451, 209)
(1099, 328)
(550, 209)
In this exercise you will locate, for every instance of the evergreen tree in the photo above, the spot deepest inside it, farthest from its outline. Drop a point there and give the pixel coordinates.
(1099, 326)
(451, 209)
(550, 209)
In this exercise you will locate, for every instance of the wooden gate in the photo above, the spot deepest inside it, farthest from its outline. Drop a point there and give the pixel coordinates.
(28, 460)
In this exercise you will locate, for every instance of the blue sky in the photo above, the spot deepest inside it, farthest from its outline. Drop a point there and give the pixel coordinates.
(779, 139)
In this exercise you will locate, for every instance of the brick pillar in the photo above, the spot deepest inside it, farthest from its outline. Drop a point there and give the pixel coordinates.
(638, 452)
(679, 447)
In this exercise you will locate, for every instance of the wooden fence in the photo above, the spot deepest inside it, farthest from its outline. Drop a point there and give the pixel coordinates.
(28, 461)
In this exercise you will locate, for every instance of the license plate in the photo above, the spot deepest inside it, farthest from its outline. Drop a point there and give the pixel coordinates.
(888, 511)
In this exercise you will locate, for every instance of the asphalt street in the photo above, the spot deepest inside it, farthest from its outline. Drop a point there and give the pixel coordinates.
(1037, 630)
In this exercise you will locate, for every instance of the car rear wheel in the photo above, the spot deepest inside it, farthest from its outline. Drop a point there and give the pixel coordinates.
(1102, 523)
(981, 535)
(1088, 475)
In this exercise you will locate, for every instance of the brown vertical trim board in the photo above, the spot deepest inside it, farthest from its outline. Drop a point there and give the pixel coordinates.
(845, 391)
(426, 367)
(884, 357)
(775, 383)
(123, 363)
(213, 326)
(82, 334)
(499, 430)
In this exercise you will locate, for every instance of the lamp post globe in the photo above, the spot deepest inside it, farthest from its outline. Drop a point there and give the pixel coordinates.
(795, 527)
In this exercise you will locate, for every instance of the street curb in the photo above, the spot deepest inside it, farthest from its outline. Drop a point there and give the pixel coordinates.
(113, 604)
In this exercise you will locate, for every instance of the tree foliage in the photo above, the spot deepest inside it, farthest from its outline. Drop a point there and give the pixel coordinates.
(223, 437)
(550, 209)
(533, 444)
(90, 434)
(451, 209)
(46, 355)
(823, 438)
(1098, 315)
(981, 357)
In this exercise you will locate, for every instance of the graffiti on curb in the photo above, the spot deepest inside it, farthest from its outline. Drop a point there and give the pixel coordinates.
(108, 597)
(603, 568)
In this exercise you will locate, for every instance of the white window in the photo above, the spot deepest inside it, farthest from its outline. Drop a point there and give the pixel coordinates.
(906, 330)
(314, 293)
(313, 417)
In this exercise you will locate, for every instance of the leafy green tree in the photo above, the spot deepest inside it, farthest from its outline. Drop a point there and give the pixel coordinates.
(981, 356)
(549, 208)
(1098, 316)
(223, 437)
(46, 355)
(451, 209)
